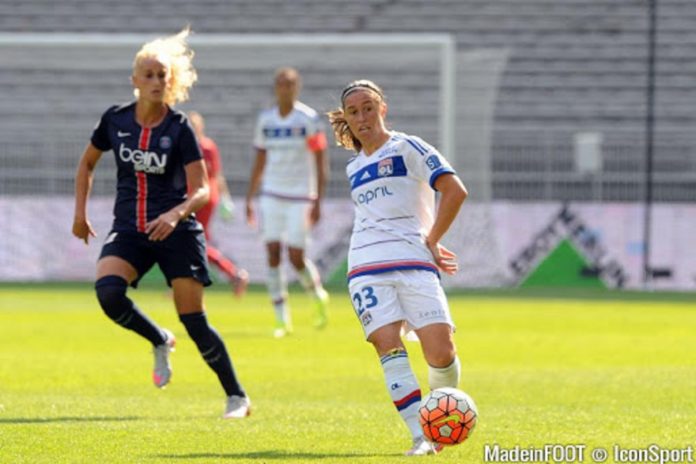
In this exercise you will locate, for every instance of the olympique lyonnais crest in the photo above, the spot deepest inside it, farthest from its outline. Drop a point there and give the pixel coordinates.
(385, 167)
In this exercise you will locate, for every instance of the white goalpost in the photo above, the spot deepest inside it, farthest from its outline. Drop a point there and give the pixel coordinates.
(423, 65)
(63, 82)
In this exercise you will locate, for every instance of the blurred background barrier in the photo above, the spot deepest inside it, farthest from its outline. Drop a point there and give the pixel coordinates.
(541, 105)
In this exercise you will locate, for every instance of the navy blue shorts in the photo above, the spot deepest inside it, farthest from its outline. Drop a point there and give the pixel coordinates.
(182, 254)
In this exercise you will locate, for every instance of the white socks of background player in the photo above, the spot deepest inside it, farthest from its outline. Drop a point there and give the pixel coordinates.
(278, 291)
(403, 388)
(439, 377)
(309, 278)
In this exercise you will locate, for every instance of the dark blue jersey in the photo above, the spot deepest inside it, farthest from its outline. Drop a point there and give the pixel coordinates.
(150, 161)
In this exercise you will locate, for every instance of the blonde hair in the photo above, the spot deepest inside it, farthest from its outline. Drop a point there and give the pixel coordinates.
(342, 133)
(175, 52)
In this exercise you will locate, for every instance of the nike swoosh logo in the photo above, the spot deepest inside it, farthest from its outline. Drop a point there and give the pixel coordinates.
(451, 417)
(123, 134)
(195, 268)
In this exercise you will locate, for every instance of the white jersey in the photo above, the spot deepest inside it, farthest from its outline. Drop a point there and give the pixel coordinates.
(290, 170)
(394, 199)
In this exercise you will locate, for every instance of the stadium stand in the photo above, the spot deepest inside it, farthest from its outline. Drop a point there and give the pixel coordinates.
(574, 66)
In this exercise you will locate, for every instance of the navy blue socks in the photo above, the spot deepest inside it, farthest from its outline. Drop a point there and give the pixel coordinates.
(213, 350)
(111, 292)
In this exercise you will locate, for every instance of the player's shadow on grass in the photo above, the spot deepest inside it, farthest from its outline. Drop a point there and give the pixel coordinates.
(50, 420)
(273, 454)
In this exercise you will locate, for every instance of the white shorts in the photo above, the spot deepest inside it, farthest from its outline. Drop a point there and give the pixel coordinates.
(415, 297)
(284, 221)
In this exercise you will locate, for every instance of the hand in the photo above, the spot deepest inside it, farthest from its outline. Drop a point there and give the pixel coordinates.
(250, 213)
(445, 259)
(83, 230)
(162, 227)
(315, 212)
(226, 208)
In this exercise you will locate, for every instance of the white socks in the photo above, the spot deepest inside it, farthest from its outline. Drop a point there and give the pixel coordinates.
(278, 291)
(309, 278)
(403, 388)
(439, 377)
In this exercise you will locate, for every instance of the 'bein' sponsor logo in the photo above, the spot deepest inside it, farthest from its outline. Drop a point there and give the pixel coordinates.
(148, 162)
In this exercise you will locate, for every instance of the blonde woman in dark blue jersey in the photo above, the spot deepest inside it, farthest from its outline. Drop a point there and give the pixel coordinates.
(162, 181)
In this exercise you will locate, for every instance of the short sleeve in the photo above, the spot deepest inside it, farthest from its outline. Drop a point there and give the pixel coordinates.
(424, 162)
(259, 139)
(315, 125)
(100, 136)
(188, 145)
(316, 138)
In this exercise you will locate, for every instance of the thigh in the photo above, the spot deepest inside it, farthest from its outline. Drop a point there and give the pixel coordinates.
(375, 302)
(272, 223)
(297, 224)
(188, 295)
(423, 299)
(183, 255)
(273, 253)
(113, 265)
(128, 255)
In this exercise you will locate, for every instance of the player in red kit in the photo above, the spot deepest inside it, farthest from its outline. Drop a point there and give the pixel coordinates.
(219, 197)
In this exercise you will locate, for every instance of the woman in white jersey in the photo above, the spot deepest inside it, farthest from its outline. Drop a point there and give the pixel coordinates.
(395, 256)
(290, 171)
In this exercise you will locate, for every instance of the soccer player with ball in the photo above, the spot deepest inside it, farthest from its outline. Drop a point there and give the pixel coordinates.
(395, 254)
(158, 161)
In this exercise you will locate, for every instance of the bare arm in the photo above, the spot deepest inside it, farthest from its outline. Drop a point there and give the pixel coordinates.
(322, 176)
(226, 206)
(84, 177)
(452, 195)
(198, 195)
(254, 182)
(222, 184)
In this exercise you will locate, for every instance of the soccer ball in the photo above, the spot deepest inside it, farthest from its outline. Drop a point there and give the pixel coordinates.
(448, 416)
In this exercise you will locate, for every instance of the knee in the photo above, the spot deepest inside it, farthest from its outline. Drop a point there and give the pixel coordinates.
(440, 354)
(442, 357)
(438, 344)
(111, 292)
(387, 339)
(202, 334)
(297, 259)
(194, 321)
(274, 256)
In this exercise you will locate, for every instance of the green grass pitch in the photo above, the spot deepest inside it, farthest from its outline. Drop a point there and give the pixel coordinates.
(75, 388)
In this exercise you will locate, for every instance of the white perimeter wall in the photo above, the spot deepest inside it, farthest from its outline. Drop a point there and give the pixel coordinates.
(36, 242)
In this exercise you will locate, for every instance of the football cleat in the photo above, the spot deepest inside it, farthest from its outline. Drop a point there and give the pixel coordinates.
(282, 330)
(238, 407)
(422, 447)
(162, 372)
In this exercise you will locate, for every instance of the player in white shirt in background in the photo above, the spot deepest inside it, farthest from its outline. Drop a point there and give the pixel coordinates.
(291, 170)
(395, 253)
